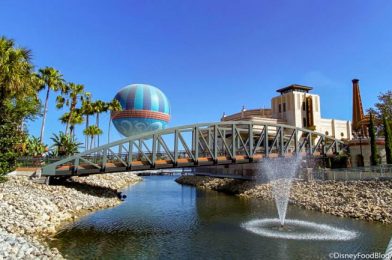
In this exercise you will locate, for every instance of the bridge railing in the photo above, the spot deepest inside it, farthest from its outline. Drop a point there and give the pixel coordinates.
(197, 145)
(356, 173)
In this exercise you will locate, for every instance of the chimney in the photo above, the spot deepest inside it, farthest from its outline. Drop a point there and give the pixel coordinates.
(357, 106)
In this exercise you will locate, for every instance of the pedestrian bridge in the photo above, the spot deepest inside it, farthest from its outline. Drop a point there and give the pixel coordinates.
(197, 145)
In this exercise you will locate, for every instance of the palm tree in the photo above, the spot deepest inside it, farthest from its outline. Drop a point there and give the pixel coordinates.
(53, 80)
(18, 100)
(87, 110)
(113, 107)
(92, 131)
(73, 92)
(64, 118)
(76, 118)
(64, 144)
(99, 106)
(16, 73)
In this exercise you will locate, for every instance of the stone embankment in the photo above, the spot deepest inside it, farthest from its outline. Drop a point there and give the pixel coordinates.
(368, 200)
(30, 212)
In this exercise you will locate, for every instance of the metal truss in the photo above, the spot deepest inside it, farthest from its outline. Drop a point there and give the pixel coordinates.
(197, 145)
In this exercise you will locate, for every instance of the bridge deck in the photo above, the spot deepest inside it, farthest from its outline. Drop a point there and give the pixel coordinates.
(85, 168)
(197, 145)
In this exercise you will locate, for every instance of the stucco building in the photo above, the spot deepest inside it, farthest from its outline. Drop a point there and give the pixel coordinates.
(295, 106)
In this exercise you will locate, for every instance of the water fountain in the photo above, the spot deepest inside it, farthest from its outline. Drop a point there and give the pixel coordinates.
(280, 173)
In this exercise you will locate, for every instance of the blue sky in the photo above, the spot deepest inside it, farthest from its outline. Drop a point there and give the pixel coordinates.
(209, 57)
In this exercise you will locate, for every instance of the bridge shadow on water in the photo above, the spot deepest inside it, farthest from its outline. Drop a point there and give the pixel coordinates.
(86, 188)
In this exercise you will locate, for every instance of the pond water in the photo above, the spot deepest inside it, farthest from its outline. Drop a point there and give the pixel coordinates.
(165, 220)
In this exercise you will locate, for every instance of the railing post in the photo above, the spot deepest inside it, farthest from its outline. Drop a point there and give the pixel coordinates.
(250, 136)
(209, 138)
(193, 141)
(266, 148)
(175, 146)
(233, 141)
(215, 142)
(104, 159)
(140, 147)
(154, 150)
(196, 133)
(281, 141)
(120, 150)
(130, 154)
(76, 166)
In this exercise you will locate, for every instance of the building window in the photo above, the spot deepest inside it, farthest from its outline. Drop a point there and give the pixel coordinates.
(303, 106)
(280, 108)
(284, 107)
(304, 122)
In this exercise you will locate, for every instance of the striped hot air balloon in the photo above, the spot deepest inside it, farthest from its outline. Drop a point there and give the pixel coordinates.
(144, 108)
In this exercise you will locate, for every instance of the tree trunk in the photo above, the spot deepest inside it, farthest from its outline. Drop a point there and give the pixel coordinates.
(373, 144)
(72, 108)
(66, 127)
(41, 137)
(98, 127)
(86, 137)
(2, 104)
(91, 144)
(110, 121)
(388, 140)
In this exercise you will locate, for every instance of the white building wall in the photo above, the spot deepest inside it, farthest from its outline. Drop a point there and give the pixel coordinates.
(294, 114)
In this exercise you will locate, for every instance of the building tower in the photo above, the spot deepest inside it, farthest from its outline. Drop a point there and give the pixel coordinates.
(357, 106)
(359, 121)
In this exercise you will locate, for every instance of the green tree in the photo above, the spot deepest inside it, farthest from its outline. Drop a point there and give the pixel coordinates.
(99, 107)
(113, 106)
(34, 147)
(70, 97)
(64, 145)
(17, 78)
(87, 111)
(384, 106)
(373, 145)
(51, 79)
(388, 139)
(91, 132)
(18, 100)
(75, 119)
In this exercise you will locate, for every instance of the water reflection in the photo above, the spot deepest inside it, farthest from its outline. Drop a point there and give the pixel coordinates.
(162, 219)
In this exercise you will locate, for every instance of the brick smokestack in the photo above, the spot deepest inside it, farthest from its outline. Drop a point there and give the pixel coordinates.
(357, 106)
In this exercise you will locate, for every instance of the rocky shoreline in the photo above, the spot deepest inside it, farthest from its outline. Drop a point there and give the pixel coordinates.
(31, 212)
(367, 200)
